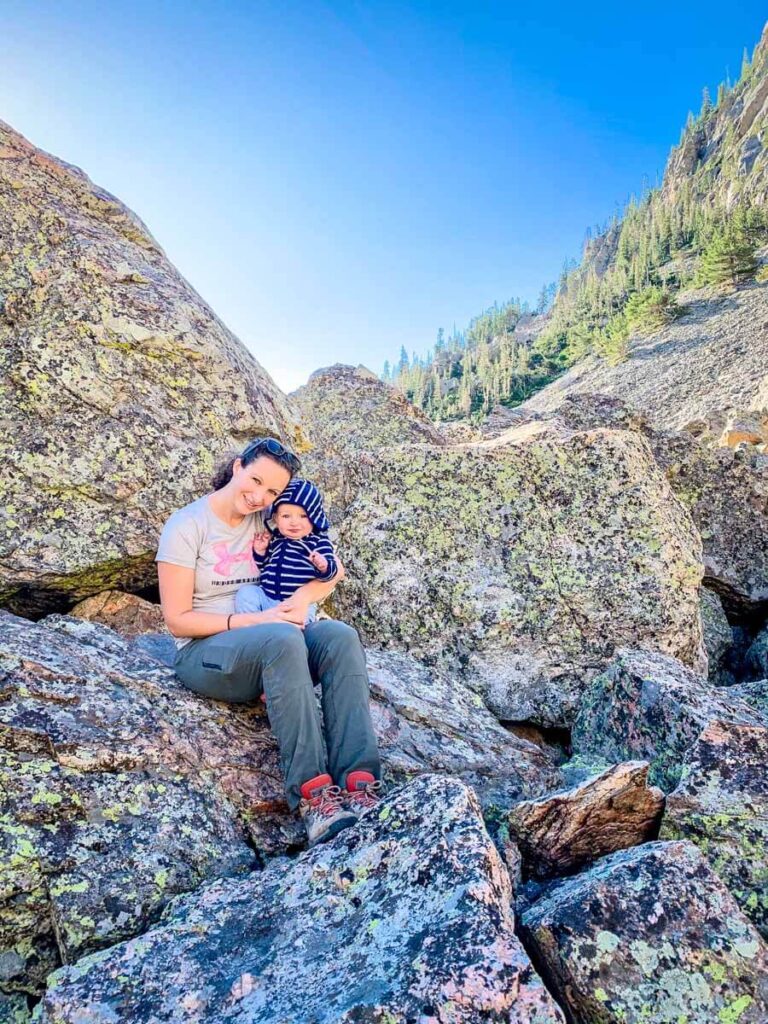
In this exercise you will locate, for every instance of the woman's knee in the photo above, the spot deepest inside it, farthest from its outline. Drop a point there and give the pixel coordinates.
(338, 634)
(336, 644)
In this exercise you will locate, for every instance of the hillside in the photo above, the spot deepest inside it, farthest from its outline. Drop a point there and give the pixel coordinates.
(630, 296)
(565, 626)
(710, 360)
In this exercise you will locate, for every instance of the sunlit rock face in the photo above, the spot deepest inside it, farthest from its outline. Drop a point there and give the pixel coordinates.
(346, 414)
(725, 492)
(349, 408)
(521, 566)
(518, 562)
(404, 917)
(119, 387)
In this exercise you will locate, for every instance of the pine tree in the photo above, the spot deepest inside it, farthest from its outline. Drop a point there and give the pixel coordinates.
(728, 258)
(745, 65)
(706, 104)
(465, 391)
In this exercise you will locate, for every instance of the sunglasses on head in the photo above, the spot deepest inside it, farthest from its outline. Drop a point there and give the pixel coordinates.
(272, 447)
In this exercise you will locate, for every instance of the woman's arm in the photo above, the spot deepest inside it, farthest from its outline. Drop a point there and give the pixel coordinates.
(176, 589)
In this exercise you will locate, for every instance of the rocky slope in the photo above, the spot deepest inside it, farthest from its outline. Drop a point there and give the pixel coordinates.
(140, 824)
(724, 155)
(710, 361)
(502, 561)
(119, 788)
(631, 274)
(119, 387)
(547, 573)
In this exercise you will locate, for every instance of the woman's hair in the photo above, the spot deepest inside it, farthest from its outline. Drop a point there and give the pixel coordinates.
(255, 449)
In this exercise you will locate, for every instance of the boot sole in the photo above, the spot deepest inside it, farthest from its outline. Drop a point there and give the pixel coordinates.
(334, 828)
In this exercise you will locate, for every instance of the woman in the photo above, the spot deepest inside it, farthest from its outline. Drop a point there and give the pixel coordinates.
(204, 556)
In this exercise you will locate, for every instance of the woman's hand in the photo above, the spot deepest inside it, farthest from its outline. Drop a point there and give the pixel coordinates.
(176, 588)
(295, 608)
(297, 605)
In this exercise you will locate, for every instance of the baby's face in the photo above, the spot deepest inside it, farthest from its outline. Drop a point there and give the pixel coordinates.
(292, 521)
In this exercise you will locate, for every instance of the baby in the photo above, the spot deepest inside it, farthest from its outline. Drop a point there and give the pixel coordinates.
(295, 552)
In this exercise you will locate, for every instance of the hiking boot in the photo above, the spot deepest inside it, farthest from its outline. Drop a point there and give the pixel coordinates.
(363, 792)
(322, 809)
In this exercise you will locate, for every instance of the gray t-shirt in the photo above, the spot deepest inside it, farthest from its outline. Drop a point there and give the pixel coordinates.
(221, 555)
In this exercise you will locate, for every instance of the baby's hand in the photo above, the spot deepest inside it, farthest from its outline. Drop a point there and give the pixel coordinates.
(261, 542)
(319, 561)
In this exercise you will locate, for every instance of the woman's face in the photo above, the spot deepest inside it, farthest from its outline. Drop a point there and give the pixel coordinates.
(258, 484)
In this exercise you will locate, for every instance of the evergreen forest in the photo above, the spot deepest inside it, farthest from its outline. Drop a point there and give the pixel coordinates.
(707, 230)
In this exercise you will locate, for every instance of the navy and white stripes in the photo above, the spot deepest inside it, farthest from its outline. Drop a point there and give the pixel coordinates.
(286, 565)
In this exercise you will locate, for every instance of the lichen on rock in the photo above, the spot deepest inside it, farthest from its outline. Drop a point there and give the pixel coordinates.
(120, 788)
(520, 566)
(648, 705)
(404, 917)
(724, 491)
(721, 804)
(652, 935)
(120, 388)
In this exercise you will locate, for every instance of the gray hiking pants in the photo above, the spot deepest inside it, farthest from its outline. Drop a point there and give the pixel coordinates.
(280, 660)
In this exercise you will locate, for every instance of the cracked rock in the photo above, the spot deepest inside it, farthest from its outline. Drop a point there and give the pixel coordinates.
(404, 917)
(721, 804)
(649, 934)
(560, 833)
(647, 705)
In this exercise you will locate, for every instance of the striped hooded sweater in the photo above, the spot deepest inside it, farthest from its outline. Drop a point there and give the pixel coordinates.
(286, 566)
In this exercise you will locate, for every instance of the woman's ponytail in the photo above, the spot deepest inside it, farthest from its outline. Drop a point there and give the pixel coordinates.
(223, 474)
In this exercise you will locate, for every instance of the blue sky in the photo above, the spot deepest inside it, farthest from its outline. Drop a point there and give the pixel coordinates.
(341, 179)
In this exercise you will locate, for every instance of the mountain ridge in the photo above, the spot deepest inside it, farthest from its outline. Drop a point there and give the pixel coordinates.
(711, 208)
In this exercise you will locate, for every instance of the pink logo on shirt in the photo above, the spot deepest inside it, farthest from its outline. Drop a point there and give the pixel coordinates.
(226, 561)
